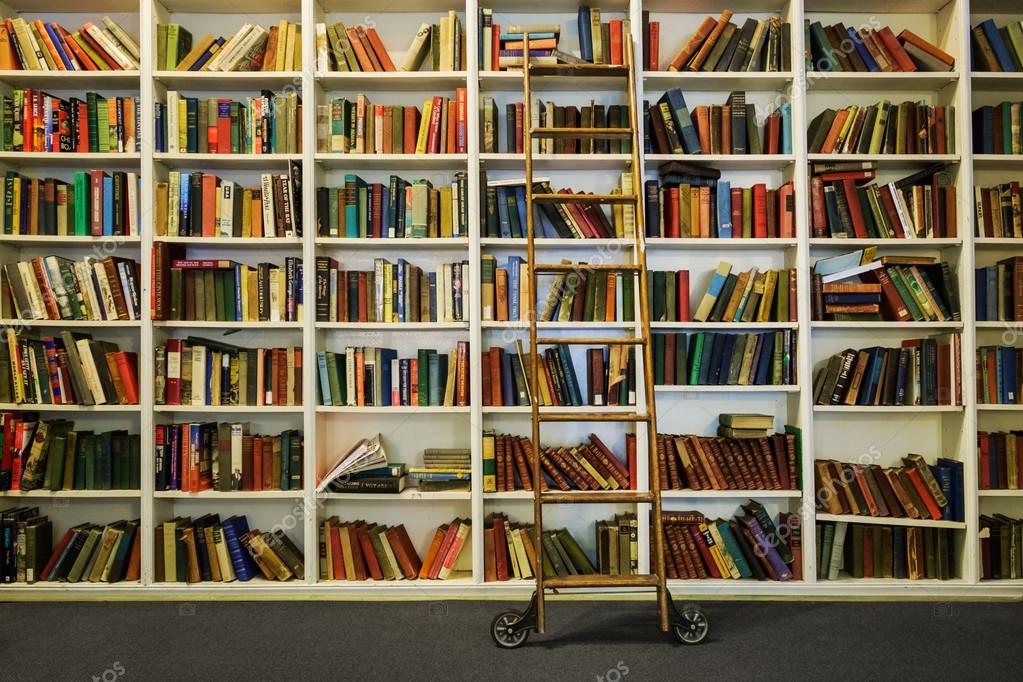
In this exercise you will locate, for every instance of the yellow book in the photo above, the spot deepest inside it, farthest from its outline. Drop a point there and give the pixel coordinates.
(513, 563)
(585, 464)
(489, 463)
(247, 213)
(16, 197)
(289, 50)
(197, 51)
(846, 126)
(17, 373)
(446, 222)
(520, 551)
(449, 386)
(747, 363)
(282, 288)
(389, 312)
(767, 300)
(424, 126)
(715, 552)
(346, 552)
(282, 44)
(719, 543)
(297, 62)
(43, 50)
(182, 125)
(22, 34)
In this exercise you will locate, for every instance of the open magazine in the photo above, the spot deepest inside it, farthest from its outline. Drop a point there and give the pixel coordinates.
(367, 454)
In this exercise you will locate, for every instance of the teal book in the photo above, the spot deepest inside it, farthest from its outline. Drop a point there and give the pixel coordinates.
(733, 548)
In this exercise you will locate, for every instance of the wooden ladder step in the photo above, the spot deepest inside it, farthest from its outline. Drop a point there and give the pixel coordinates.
(553, 268)
(588, 133)
(596, 580)
(592, 340)
(593, 417)
(548, 198)
(597, 497)
(572, 70)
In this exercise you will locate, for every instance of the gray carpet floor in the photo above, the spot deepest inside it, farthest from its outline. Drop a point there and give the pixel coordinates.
(603, 641)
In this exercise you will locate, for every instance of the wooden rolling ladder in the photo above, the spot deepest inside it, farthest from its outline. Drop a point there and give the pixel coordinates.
(511, 628)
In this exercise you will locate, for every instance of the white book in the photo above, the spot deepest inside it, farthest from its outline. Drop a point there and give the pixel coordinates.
(322, 54)
(96, 33)
(128, 43)
(117, 44)
(456, 229)
(227, 191)
(227, 49)
(198, 375)
(275, 295)
(172, 121)
(32, 290)
(93, 305)
(174, 202)
(43, 64)
(267, 199)
(417, 51)
(105, 292)
(89, 370)
(123, 275)
(240, 53)
(237, 436)
(488, 40)
(378, 285)
(837, 551)
(60, 293)
(133, 204)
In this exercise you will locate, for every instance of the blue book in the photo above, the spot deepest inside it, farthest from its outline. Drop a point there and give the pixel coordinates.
(719, 374)
(864, 53)
(957, 498)
(433, 298)
(724, 209)
(58, 46)
(568, 368)
(503, 219)
(200, 546)
(507, 379)
(321, 366)
(585, 36)
(532, 36)
(732, 545)
(710, 339)
(108, 206)
(520, 205)
(547, 230)
(943, 475)
(385, 213)
(234, 528)
(185, 205)
(208, 55)
(160, 142)
(846, 261)
(210, 369)
(387, 358)
(786, 128)
(55, 573)
(992, 293)
(514, 285)
(980, 293)
(766, 353)
(401, 267)
(238, 292)
(681, 118)
(1008, 371)
(998, 45)
(648, 144)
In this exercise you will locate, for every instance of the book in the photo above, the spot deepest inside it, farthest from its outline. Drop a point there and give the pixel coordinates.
(251, 48)
(888, 552)
(709, 128)
(47, 46)
(726, 45)
(872, 49)
(57, 288)
(266, 124)
(675, 209)
(361, 127)
(360, 550)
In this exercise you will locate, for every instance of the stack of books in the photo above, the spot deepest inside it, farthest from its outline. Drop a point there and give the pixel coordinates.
(88, 552)
(592, 465)
(251, 48)
(999, 380)
(267, 124)
(36, 121)
(999, 211)
(48, 46)
(838, 48)
(363, 468)
(617, 545)
(751, 296)
(996, 129)
(509, 552)
(725, 359)
(52, 455)
(57, 207)
(361, 127)
(999, 291)
(1001, 547)
(920, 372)
(210, 550)
(870, 551)
(885, 128)
(720, 45)
(57, 288)
(198, 371)
(997, 49)
(193, 457)
(734, 425)
(1000, 457)
(443, 470)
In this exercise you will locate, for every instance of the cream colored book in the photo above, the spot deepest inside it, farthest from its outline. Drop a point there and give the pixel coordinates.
(227, 49)
(127, 42)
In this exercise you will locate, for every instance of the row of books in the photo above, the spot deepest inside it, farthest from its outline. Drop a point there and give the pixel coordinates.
(751, 296)
(920, 205)
(705, 463)
(251, 48)
(610, 376)
(268, 124)
(617, 545)
(223, 456)
(748, 546)
(500, 50)
(591, 465)
(1000, 456)
(600, 42)
(69, 369)
(87, 552)
(359, 48)
(357, 550)
(1001, 547)
(920, 372)
(366, 376)
(361, 127)
(719, 210)
(998, 49)
(208, 549)
(999, 375)
(855, 550)
(725, 359)
(204, 205)
(57, 288)
(36, 121)
(580, 296)
(397, 209)
(504, 213)
(94, 203)
(671, 127)
(509, 552)
(999, 211)
(998, 290)
(504, 377)
(838, 48)
(225, 290)
(884, 128)
(547, 114)
(47, 46)
(723, 46)
(52, 455)
(916, 490)
(205, 372)
(996, 129)
(504, 291)
(860, 285)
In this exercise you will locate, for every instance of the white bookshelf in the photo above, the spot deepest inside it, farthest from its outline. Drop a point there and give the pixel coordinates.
(828, 431)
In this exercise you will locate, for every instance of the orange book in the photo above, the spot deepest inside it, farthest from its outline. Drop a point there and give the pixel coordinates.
(501, 293)
(209, 205)
(363, 38)
(48, 45)
(365, 63)
(923, 492)
(693, 44)
(445, 547)
(928, 47)
(610, 302)
(702, 113)
(270, 54)
(411, 130)
(544, 44)
(257, 463)
(836, 127)
(267, 443)
(726, 129)
(615, 51)
(431, 554)
(705, 212)
(134, 561)
(372, 565)
(379, 49)
(708, 44)
(130, 134)
(8, 59)
(452, 135)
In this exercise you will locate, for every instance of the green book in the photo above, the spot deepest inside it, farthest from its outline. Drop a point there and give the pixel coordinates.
(824, 560)
(90, 545)
(747, 213)
(378, 549)
(162, 31)
(575, 552)
(659, 359)
(697, 358)
(897, 278)
(54, 478)
(600, 295)
(423, 377)
(173, 32)
(670, 305)
(92, 106)
(681, 375)
(83, 457)
(732, 546)
(628, 297)
(658, 303)
(590, 301)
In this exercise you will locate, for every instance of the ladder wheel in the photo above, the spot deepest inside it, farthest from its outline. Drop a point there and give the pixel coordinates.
(503, 635)
(693, 627)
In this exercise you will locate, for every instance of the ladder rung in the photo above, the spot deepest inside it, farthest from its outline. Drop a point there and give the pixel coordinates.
(606, 70)
(569, 267)
(595, 133)
(593, 417)
(547, 198)
(605, 497)
(594, 340)
(596, 580)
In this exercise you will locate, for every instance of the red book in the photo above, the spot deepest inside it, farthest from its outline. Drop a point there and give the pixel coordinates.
(500, 548)
(630, 458)
(672, 226)
(615, 51)
(461, 116)
(372, 565)
(736, 212)
(923, 492)
(257, 463)
(889, 206)
(223, 145)
(336, 558)
(895, 48)
(759, 211)
(57, 552)
(682, 295)
(485, 372)
(209, 205)
(357, 558)
(127, 368)
(80, 54)
(363, 301)
(847, 175)
(379, 49)
(939, 130)
(7, 454)
(786, 211)
(773, 133)
(114, 65)
(855, 210)
(495, 58)
(494, 366)
(819, 218)
(701, 544)
(445, 545)
(655, 46)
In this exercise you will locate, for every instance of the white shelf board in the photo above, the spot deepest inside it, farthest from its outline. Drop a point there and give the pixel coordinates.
(25, 407)
(884, 410)
(726, 326)
(370, 244)
(712, 244)
(523, 325)
(883, 325)
(80, 494)
(22, 240)
(267, 162)
(396, 409)
(728, 494)
(982, 407)
(1010, 162)
(519, 243)
(235, 242)
(895, 81)
(62, 324)
(823, 243)
(890, 521)
(393, 162)
(406, 495)
(887, 161)
(233, 495)
(442, 82)
(559, 409)
(506, 161)
(1000, 493)
(396, 326)
(223, 324)
(724, 81)
(726, 161)
(221, 80)
(51, 80)
(71, 159)
(997, 242)
(727, 389)
(228, 409)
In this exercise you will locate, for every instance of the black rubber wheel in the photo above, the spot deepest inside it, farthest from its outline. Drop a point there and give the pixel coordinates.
(503, 636)
(694, 626)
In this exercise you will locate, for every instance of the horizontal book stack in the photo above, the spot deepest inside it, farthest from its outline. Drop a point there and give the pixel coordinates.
(996, 129)
(999, 291)
(208, 549)
(999, 375)
(916, 490)
(884, 128)
(592, 465)
(57, 288)
(48, 46)
(443, 470)
(86, 553)
(751, 296)
(365, 376)
(748, 546)
(610, 376)
(251, 48)
(69, 369)
(848, 49)
(361, 127)
(861, 286)
(854, 550)
(391, 293)
(509, 553)
(672, 127)
(726, 359)
(35, 121)
(581, 296)
(617, 545)
(205, 205)
(218, 290)
(548, 114)
(267, 124)
(502, 50)
(51, 455)
(93, 204)
(706, 463)
(722, 45)
(921, 372)
(997, 49)
(205, 372)
(1000, 458)
(398, 209)
(999, 211)
(919, 205)
(193, 457)
(1001, 547)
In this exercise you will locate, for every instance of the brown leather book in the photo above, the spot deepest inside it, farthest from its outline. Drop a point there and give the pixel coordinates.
(685, 457)
(550, 466)
(905, 501)
(620, 472)
(358, 559)
(489, 567)
(410, 549)
(714, 474)
(875, 489)
(758, 467)
(842, 485)
(865, 491)
(779, 449)
(527, 450)
(401, 554)
(827, 493)
(521, 465)
(726, 465)
(500, 453)
(667, 469)
(134, 561)
(770, 465)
